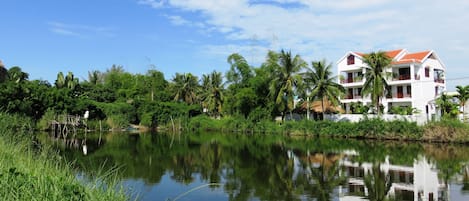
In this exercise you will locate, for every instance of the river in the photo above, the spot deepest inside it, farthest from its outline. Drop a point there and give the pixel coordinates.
(213, 166)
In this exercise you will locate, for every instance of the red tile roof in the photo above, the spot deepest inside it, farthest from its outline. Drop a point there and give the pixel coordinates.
(416, 57)
(390, 53)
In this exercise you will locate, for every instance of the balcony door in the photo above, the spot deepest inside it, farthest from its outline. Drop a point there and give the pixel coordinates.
(400, 92)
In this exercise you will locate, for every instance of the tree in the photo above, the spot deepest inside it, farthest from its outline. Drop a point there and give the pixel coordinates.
(15, 74)
(212, 93)
(375, 76)
(285, 78)
(463, 96)
(185, 87)
(240, 71)
(60, 81)
(95, 77)
(447, 106)
(69, 81)
(323, 85)
(157, 85)
(3, 73)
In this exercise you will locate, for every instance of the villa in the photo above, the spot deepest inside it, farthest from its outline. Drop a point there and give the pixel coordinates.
(415, 80)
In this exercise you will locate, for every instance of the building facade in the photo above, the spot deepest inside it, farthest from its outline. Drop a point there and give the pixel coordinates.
(415, 80)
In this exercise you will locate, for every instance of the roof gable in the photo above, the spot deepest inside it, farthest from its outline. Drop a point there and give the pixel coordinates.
(391, 53)
(417, 57)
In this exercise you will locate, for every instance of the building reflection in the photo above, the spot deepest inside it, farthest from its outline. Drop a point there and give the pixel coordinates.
(416, 182)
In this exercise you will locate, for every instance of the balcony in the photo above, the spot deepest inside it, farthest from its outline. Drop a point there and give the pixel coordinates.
(351, 80)
(401, 95)
(401, 77)
(439, 80)
(350, 96)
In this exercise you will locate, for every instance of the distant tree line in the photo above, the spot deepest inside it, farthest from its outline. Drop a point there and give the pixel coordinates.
(121, 98)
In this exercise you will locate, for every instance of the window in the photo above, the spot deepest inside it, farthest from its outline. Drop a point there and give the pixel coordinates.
(350, 60)
(427, 71)
(409, 91)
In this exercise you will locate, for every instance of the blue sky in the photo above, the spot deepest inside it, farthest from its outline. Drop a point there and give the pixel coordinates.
(48, 36)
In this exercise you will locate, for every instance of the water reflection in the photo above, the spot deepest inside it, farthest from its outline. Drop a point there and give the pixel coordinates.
(259, 167)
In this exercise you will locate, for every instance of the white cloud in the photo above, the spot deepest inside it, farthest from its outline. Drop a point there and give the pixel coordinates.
(180, 21)
(324, 28)
(177, 20)
(152, 3)
(78, 30)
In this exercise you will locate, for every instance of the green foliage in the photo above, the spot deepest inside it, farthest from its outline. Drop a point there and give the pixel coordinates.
(260, 114)
(375, 76)
(285, 78)
(156, 114)
(28, 173)
(447, 106)
(322, 84)
(359, 108)
(43, 123)
(403, 110)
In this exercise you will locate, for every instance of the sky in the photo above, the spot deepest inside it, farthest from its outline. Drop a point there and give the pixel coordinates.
(196, 36)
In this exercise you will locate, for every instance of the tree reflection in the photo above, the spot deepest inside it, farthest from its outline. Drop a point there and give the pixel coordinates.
(378, 183)
(465, 181)
(322, 176)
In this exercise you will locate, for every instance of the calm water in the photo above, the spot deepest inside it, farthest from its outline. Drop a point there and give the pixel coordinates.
(259, 167)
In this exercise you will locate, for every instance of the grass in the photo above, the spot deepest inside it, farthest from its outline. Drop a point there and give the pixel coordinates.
(34, 172)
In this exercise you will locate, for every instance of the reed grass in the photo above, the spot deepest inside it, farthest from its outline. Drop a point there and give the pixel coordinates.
(30, 171)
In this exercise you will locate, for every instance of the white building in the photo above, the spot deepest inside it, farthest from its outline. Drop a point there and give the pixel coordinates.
(416, 79)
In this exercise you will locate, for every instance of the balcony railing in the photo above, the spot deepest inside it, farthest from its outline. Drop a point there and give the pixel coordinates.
(351, 80)
(350, 96)
(442, 81)
(402, 95)
(402, 77)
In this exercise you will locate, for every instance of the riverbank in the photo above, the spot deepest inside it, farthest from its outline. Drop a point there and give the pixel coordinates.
(446, 130)
(30, 171)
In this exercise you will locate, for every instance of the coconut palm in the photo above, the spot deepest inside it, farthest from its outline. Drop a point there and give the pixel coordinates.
(212, 92)
(323, 85)
(463, 96)
(375, 76)
(185, 87)
(285, 79)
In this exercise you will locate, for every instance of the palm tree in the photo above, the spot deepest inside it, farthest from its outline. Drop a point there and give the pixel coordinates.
(463, 96)
(212, 92)
(95, 77)
(448, 107)
(324, 86)
(378, 184)
(17, 75)
(285, 79)
(185, 87)
(375, 76)
(60, 81)
(70, 81)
